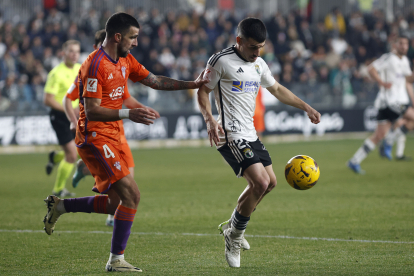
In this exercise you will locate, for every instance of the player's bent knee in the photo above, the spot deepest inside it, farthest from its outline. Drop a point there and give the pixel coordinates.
(260, 186)
(272, 185)
(71, 158)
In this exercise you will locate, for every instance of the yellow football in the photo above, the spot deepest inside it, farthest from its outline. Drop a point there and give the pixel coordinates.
(302, 172)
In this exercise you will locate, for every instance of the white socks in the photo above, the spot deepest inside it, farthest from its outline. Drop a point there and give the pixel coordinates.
(399, 152)
(393, 135)
(236, 232)
(114, 257)
(363, 151)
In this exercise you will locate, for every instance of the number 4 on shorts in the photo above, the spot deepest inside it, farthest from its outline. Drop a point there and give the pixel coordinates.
(108, 152)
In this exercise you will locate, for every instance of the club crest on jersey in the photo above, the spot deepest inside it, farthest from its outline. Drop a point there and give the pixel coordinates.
(237, 86)
(117, 93)
(257, 67)
(117, 165)
(123, 69)
(248, 153)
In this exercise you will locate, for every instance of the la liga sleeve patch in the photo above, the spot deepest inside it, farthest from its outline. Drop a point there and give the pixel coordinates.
(92, 85)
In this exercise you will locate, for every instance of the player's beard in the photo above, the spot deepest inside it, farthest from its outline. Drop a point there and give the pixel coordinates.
(402, 52)
(123, 53)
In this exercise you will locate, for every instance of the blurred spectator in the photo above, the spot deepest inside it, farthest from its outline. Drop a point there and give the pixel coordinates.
(184, 60)
(166, 57)
(361, 54)
(25, 93)
(339, 45)
(55, 17)
(306, 35)
(3, 47)
(335, 22)
(19, 33)
(9, 93)
(212, 32)
(332, 58)
(90, 22)
(37, 48)
(25, 44)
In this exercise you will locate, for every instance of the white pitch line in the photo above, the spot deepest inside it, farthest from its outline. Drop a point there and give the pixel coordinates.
(196, 234)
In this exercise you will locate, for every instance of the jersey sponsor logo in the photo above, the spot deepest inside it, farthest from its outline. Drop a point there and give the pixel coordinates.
(251, 86)
(245, 86)
(117, 93)
(237, 86)
(123, 69)
(110, 77)
(92, 85)
(240, 70)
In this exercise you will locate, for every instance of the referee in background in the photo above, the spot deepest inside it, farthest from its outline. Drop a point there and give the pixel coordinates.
(58, 82)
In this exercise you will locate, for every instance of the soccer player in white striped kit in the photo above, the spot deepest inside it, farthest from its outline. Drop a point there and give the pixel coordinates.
(235, 74)
(392, 72)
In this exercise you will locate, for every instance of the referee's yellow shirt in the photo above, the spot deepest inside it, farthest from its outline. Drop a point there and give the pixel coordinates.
(60, 79)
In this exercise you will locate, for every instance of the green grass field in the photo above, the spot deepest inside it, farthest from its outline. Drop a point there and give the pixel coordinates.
(191, 190)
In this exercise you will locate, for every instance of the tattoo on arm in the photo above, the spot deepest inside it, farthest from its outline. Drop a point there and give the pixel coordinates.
(165, 83)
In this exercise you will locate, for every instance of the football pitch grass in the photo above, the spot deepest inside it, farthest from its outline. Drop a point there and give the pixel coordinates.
(364, 223)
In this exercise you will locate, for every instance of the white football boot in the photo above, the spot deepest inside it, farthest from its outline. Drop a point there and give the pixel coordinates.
(232, 248)
(121, 265)
(52, 214)
(223, 226)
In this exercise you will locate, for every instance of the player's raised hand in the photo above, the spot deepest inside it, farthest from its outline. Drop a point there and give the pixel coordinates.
(213, 129)
(201, 80)
(314, 116)
(142, 116)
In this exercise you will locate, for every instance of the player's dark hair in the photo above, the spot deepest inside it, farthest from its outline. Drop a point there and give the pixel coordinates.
(100, 37)
(120, 23)
(402, 36)
(252, 28)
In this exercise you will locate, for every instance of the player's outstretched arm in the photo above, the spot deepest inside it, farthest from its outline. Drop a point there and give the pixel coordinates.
(205, 107)
(131, 102)
(95, 112)
(165, 83)
(287, 97)
(70, 113)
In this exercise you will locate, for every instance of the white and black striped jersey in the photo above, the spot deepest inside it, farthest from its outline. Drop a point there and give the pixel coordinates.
(392, 69)
(236, 83)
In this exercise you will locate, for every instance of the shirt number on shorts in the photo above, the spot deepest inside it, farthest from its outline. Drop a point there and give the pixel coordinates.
(241, 144)
(108, 152)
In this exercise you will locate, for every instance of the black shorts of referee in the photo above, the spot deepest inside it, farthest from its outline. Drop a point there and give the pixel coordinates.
(61, 125)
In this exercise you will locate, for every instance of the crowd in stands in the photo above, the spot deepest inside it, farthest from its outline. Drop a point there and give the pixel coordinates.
(323, 62)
